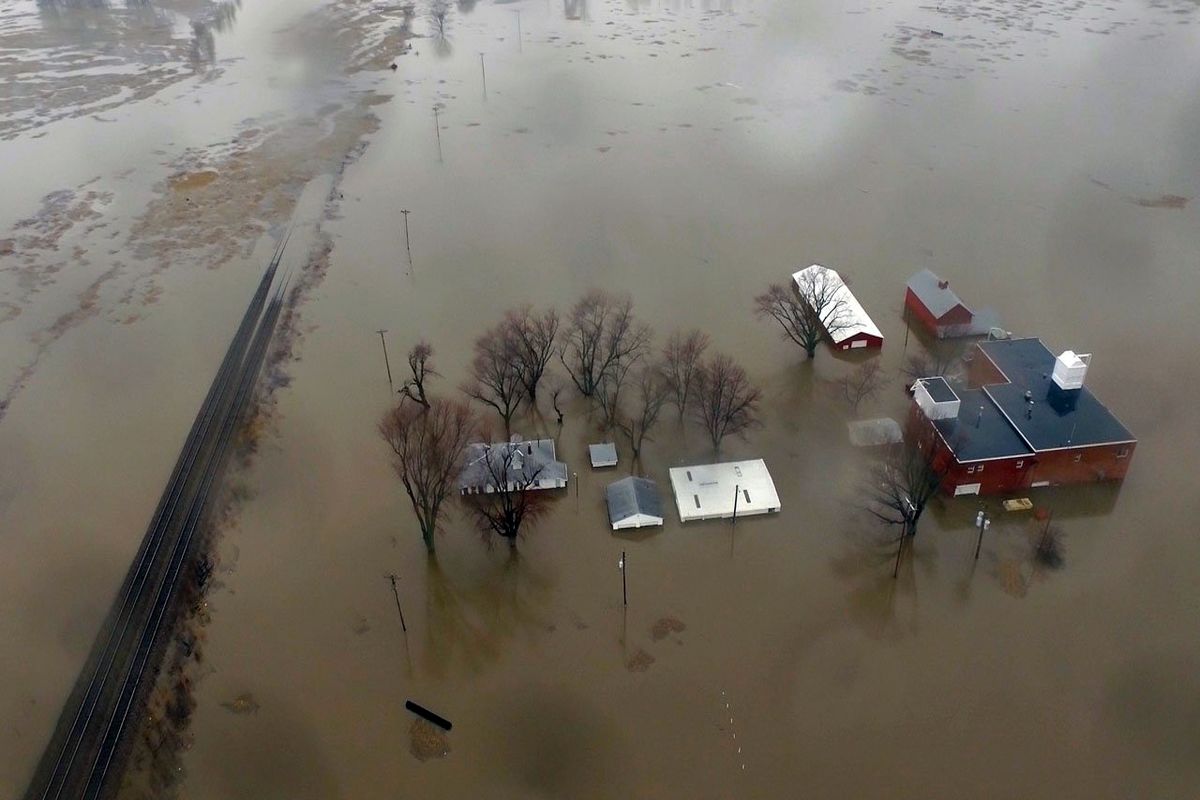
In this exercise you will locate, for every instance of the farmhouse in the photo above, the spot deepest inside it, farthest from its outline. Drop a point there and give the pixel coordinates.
(1024, 420)
(515, 463)
(716, 491)
(854, 328)
(933, 304)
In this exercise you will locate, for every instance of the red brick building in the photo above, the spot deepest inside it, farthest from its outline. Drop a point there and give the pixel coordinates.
(1023, 420)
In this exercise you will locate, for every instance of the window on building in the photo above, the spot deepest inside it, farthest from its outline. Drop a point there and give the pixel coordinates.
(1020, 463)
(1078, 457)
(971, 470)
(1123, 452)
(981, 466)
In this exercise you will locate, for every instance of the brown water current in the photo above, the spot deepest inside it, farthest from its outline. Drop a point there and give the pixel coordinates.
(1041, 156)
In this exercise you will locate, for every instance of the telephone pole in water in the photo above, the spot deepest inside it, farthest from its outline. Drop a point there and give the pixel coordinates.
(396, 594)
(386, 362)
(407, 246)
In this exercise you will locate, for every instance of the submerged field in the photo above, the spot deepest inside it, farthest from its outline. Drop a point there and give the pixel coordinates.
(1040, 156)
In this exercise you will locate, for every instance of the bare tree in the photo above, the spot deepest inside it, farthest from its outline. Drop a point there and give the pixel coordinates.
(509, 501)
(652, 393)
(814, 309)
(438, 11)
(1049, 550)
(494, 378)
(533, 338)
(607, 398)
(939, 357)
(899, 487)
(862, 383)
(427, 446)
(681, 358)
(602, 334)
(420, 365)
(557, 385)
(726, 400)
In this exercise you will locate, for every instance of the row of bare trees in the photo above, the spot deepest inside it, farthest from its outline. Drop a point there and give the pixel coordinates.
(606, 353)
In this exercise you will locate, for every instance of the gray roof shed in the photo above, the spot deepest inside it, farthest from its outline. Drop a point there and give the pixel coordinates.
(634, 503)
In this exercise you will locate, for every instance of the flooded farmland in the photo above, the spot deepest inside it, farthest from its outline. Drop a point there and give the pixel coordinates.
(1041, 156)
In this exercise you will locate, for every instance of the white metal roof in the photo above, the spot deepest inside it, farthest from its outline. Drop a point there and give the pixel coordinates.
(706, 491)
(853, 315)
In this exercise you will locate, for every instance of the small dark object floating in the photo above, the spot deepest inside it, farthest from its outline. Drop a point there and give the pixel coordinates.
(425, 713)
(938, 34)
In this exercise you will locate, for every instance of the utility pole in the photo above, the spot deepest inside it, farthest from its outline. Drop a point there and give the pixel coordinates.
(386, 362)
(396, 594)
(624, 589)
(983, 523)
(520, 49)
(437, 127)
(736, 491)
(483, 72)
(575, 478)
(407, 245)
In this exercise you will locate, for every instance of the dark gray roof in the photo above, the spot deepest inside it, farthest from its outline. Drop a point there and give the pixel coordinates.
(926, 286)
(1059, 418)
(992, 421)
(939, 390)
(536, 456)
(630, 496)
(602, 453)
(980, 430)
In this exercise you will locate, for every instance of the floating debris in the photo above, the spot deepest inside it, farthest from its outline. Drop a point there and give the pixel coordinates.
(665, 627)
(426, 741)
(242, 704)
(639, 661)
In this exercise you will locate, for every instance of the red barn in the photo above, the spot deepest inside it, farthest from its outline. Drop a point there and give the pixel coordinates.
(931, 302)
(1024, 420)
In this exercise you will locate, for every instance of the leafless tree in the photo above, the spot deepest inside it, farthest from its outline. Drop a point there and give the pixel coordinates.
(607, 398)
(814, 309)
(427, 446)
(726, 400)
(601, 335)
(681, 358)
(438, 11)
(556, 384)
(494, 378)
(533, 338)
(420, 365)
(1049, 550)
(509, 502)
(652, 391)
(899, 487)
(939, 357)
(862, 383)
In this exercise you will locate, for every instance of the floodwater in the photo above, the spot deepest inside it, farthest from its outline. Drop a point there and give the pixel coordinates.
(1042, 156)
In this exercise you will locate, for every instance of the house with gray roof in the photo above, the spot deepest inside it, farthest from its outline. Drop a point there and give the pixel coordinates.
(515, 464)
(633, 503)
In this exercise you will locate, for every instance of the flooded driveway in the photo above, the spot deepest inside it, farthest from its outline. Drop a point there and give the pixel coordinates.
(1041, 156)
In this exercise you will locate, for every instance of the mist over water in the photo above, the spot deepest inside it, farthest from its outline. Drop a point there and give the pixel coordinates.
(1040, 156)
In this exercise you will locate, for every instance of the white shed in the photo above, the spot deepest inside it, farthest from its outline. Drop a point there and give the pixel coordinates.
(706, 491)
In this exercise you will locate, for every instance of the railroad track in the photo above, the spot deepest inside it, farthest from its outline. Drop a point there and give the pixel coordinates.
(83, 757)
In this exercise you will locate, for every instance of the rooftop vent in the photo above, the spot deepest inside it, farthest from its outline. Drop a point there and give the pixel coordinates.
(1070, 369)
(943, 284)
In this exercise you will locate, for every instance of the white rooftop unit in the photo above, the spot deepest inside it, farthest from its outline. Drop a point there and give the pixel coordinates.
(1070, 368)
(852, 317)
(936, 399)
(706, 491)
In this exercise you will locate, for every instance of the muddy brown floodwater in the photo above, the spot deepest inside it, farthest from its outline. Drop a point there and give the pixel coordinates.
(1041, 156)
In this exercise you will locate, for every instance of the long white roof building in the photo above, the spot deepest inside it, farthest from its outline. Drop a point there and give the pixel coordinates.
(706, 491)
(853, 318)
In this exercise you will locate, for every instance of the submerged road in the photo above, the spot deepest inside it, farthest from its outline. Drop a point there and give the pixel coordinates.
(83, 757)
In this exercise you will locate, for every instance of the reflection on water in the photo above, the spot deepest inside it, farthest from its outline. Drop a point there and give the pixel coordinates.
(68, 58)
